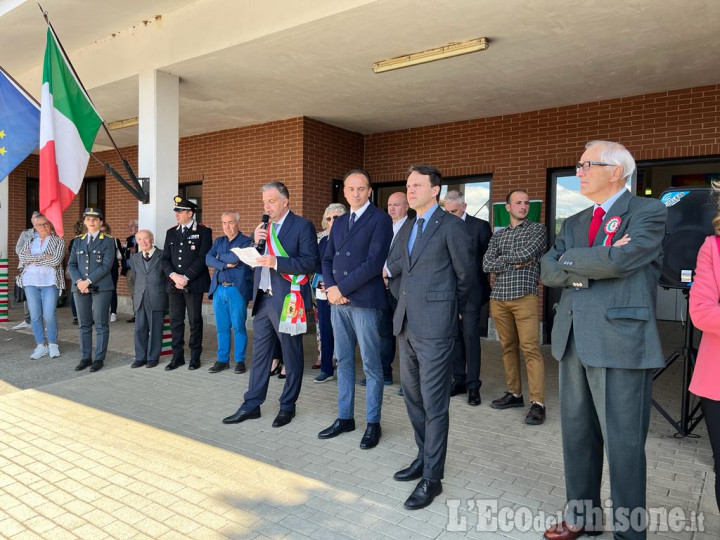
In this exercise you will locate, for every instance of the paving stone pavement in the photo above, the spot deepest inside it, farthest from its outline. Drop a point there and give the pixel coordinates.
(142, 453)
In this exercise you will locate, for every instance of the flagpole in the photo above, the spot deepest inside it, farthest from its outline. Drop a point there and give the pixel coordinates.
(136, 189)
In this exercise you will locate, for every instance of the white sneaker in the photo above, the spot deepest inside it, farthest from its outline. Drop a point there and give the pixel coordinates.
(40, 351)
(113, 317)
(21, 325)
(54, 350)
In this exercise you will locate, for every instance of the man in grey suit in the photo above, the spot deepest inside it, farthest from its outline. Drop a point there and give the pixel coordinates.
(150, 299)
(430, 257)
(607, 259)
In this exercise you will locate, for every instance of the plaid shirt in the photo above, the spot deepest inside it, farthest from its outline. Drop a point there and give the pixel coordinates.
(512, 246)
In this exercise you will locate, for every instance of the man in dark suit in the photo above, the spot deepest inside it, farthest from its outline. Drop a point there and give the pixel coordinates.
(282, 295)
(150, 299)
(352, 268)
(91, 259)
(467, 350)
(230, 292)
(430, 257)
(183, 261)
(607, 259)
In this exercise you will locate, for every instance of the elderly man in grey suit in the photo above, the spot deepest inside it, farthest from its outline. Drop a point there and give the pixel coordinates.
(433, 260)
(607, 259)
(150, 299)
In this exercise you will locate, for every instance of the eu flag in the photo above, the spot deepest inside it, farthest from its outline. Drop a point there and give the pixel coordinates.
(19, 125)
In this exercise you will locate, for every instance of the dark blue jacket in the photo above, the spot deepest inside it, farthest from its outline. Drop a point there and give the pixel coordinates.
(298, 238)
(220, 256)
(354, 259)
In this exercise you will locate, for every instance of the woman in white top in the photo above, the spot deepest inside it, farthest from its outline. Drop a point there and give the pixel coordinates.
(42, 278)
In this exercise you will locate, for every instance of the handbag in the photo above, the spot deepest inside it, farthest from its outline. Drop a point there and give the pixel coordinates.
(19, 294)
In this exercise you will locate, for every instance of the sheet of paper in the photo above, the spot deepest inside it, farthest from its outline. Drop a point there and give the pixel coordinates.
(248, 255)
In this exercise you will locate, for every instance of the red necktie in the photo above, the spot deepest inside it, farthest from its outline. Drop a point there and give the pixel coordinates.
(597, 218)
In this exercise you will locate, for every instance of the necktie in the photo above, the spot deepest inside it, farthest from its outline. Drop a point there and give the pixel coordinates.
(420, 223)
(91, 239)
(352, 220)
(597, 218)
(147, 256)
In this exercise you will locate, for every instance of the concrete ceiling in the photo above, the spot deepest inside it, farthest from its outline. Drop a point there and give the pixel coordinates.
(244, 62)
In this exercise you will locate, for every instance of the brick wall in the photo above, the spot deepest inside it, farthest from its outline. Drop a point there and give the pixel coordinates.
(518, 149)
(328, 152)
(307, 154)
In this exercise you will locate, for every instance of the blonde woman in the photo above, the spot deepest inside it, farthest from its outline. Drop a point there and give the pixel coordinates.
(42, 278)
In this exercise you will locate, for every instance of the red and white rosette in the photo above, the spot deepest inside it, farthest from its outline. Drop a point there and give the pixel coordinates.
(611, 227)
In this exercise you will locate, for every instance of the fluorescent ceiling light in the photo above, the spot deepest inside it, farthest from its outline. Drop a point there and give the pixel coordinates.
(446, 51)
(120, 124)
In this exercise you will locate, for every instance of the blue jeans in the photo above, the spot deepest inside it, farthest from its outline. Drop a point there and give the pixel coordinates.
(353, 325)
(230, 311)
(42, 303)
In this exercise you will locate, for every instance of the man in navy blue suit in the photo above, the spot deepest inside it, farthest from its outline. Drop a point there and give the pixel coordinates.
(281, 297)
(352, 268)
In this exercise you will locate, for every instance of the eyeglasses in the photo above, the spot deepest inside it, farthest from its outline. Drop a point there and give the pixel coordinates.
(330, 218)
(585, 165)
(46, 224)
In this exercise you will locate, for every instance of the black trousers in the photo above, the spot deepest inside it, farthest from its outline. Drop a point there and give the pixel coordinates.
(466, 356)
(711, 408)
(192, 303)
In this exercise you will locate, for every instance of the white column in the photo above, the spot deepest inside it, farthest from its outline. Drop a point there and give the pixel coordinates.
(158, 149)
(4, 218)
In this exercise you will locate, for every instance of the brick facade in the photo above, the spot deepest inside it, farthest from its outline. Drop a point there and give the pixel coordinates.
(307, 154)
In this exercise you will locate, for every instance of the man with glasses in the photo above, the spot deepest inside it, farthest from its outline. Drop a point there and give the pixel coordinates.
(607, 259)
(513, 256)
(183, 261)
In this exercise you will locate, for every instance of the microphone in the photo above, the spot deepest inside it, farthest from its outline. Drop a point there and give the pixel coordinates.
(264, 226)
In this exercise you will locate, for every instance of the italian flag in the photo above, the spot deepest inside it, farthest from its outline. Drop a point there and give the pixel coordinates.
(68, 126)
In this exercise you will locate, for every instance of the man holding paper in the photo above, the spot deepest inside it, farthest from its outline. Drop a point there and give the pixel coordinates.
(230, 292)
(281, 298)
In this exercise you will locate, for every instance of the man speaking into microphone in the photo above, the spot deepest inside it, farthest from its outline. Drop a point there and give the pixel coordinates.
(281, 298)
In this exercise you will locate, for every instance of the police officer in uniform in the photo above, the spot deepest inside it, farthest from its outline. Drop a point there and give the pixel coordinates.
(183, 261)
(91, 259)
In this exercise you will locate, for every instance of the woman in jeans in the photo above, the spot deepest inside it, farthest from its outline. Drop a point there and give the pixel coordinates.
(42, 278)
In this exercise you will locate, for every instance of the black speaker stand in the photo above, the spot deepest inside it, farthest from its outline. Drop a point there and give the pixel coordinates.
(690, 416)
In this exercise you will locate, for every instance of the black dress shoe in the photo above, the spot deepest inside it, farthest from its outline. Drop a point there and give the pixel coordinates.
(174, 365)
(241, 415)
(283, 418)
(151, 364)
(339, 426)
(424, 494)
(83, 364)
(474, 397)
(371, 438)
(217, 367)
(240, 367)
(138, 363)
(457, 388)
(96, 366)
(131, 320)
(413, 472)
(282, 376)
(194, 365)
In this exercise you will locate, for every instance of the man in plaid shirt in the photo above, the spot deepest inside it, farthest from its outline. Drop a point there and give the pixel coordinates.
(513, 256)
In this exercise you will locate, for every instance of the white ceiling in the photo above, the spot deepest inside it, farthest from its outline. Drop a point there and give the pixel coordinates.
(244, 62)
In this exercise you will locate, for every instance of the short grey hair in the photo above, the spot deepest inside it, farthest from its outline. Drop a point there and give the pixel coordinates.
(148, 232)
(282, 188)
(615, 154)
(332, 207)
(454, 195)
(232, 213)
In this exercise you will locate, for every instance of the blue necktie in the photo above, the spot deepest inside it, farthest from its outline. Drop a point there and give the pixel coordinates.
(420, 223)
(352, 221)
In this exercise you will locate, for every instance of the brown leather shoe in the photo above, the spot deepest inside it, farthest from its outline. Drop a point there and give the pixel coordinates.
(565, 532)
